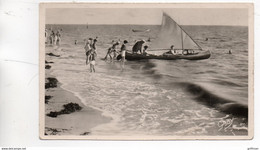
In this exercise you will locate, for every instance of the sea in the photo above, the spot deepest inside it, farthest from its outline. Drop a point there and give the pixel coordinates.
(159, 97)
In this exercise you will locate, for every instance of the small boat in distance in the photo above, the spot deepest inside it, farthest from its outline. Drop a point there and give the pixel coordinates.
(172, 34)
(147, 30)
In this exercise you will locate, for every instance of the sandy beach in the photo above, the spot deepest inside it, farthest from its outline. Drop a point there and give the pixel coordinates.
(79, 122)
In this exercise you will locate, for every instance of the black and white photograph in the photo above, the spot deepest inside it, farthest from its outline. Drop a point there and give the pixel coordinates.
(146, 71)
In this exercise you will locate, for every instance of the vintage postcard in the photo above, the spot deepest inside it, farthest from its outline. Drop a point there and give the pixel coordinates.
(146, 71)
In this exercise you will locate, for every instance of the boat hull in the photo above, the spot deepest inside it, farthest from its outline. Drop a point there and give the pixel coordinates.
(198, 56)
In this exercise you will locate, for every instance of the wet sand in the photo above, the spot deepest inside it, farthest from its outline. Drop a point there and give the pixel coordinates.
(79, 122)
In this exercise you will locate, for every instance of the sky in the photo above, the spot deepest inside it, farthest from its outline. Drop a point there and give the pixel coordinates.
(148, 16)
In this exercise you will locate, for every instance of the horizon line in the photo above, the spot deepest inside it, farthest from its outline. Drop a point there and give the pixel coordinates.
(148, 24)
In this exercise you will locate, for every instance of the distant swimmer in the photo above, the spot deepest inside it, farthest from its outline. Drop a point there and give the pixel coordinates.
(206, 39)
(138, 46)
(230, 51)
(149, 40)
(92, 60)
(76, 42)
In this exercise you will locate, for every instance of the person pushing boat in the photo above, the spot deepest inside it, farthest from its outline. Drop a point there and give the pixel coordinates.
(144, 51)
(138, 46)
(123, 50)
(111, 50)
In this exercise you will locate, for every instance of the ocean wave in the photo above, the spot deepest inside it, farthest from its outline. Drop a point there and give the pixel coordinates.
(210, 99)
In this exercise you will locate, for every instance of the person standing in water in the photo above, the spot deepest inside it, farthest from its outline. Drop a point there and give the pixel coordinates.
(123, 50)
(94, 43)
(52, 36)
(92, 60)
(58, 38)
(88, 48)
(46, 36)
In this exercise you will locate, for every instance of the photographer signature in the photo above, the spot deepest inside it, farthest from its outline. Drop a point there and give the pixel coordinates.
(225, 124)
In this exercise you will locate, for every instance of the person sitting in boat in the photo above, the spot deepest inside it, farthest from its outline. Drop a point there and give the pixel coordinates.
(111, 50)
(144, 51)
(187, 52)
(138, 46)
(170, 52)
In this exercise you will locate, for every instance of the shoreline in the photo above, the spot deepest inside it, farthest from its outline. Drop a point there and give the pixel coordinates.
(78, 122)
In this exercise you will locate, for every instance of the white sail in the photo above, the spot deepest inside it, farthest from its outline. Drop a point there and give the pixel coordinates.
(172, 34)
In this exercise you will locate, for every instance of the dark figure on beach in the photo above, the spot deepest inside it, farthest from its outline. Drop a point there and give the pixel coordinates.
(111, 50)
(138, 46)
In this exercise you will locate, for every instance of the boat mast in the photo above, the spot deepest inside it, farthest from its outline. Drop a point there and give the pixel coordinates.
(181, 41)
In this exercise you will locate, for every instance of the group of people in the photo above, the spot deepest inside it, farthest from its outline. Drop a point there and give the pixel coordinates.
(91, 53)
(52, 37)
(113, 53)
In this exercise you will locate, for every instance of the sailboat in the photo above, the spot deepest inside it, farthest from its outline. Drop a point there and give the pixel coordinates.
(172, 34)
